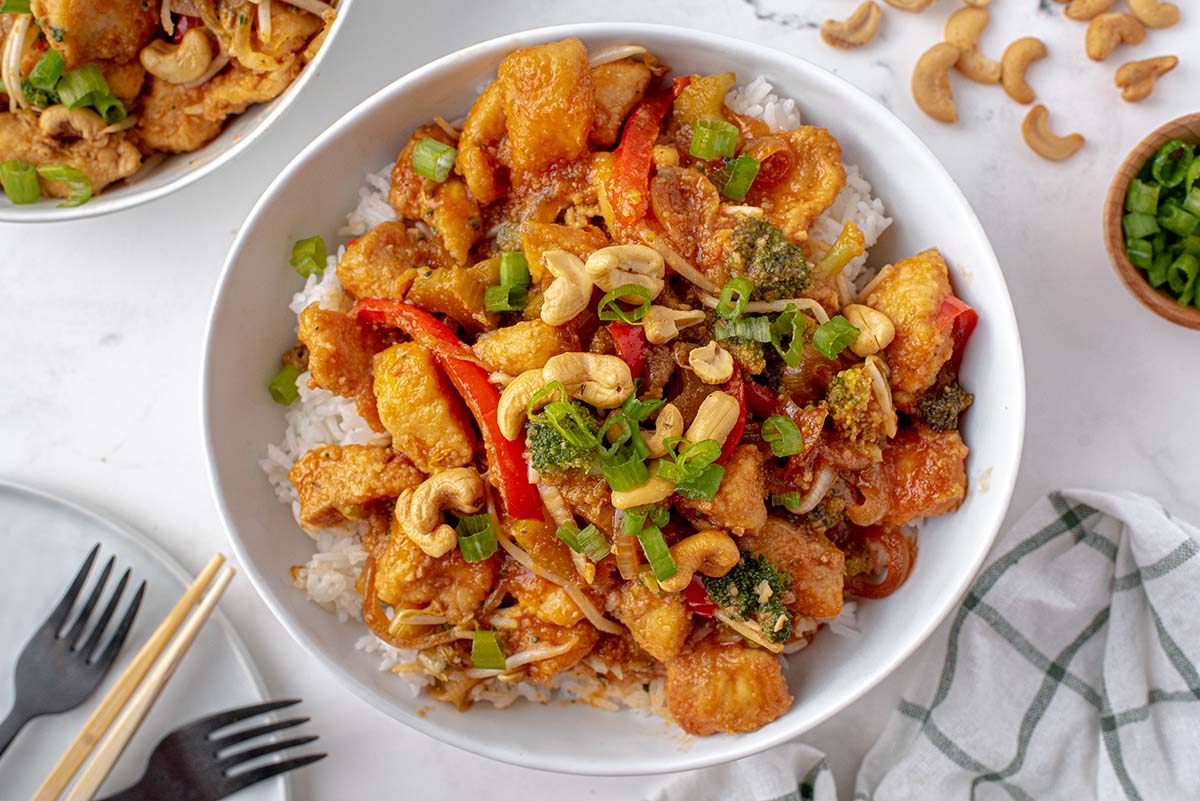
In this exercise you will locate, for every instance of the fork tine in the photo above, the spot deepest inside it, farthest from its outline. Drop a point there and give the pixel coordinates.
(250, 734)
(75, 634)
(230, 716)
(59, 616)
(109, 654)
(243, 780)
(241, 757)
(88, 649)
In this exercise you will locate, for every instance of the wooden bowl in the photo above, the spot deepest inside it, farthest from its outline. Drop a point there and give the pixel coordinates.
(1186, 128)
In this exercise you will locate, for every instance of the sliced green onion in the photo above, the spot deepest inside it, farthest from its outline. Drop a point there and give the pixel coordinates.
(20, 181)
(588, 541)
(505, 298)
(1190, 244)
(791, 325)
(1139, 226)
(514, 270)
(734, 177)
(1191, 201)
(625, 470)
(1181, 277)
(309, 256)
(704, 486)
(640, 410)
(689, 462)
(788, 500)
(1140, 253)
(1157, 274)
(433, 160)
(85, 86)
(729, 306)
(572, 424)
(751, 329)
(47, 71)
(486, 653)
(782, 435)
(283, 385)
(633, 523)
(542, 394)
(1174, 219)
(657, 552)
(75, 179)
(659, 515)
(14, 7)
(1193, 175)
(1171, 163)
(609, 307)
(476, 537)
(109, 107)
(1141, 197)
(713, 139)
(833, 337)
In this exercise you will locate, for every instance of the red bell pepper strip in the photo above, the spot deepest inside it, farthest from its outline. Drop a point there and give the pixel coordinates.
(697, 600)
(761, 400)
(631, 345)
(737, 388)
(960, 319)
(505, 456)
(901, 555)
(629, 194)
(183, 24)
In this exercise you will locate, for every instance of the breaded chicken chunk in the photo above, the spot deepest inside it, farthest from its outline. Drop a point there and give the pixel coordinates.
(725, 688)
(926, 474)
(740, 503)
(815, 565)
(340, 353)
(91, 30)
(338, 482)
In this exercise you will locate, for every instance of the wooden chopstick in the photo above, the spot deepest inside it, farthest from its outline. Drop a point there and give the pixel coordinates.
(104, 715)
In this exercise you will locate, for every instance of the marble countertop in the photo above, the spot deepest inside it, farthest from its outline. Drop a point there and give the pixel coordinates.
(104, 323)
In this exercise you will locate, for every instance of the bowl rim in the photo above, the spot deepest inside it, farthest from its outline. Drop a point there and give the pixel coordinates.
(49, 213)
(1131, 277)
(738, 747)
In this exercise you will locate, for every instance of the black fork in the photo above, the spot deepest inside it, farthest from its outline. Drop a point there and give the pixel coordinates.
(58, 670)
(187, 765)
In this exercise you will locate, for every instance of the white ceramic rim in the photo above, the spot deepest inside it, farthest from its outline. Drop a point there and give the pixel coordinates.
(98, 207)
(738, 747)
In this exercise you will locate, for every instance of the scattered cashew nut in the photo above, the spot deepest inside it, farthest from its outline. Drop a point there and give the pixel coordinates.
(711, 552)
(976, 3)
(181, 63)
(915, 6)
(571, 290)
(711, 363)
(1043, 141)
(963, 30)
(599, 379)
(514, 402)
(59, 121)
(653, 491)
(1154, 14)
(931, 82)
(1087, 9)
(858, 28)
(1137, 78)
(618, 265)
(1014, 64)
(715, 418)
(419, 510)
(1107, 31)
(662, 324)
(669, 423)
(875, 329)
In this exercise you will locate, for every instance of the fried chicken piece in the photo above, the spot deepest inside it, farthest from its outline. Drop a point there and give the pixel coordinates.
(381, 262)
(172, 118)
(91, 30)
(815, 565)
(810, 187)
(103, 159)
(534, 634)
(478, 146)
(619, 86)
(926, 474)
(526, 345)
(659, 622)
(725, 688)
(337, 482)
(237, 88)
(340, 354)
(739, 505)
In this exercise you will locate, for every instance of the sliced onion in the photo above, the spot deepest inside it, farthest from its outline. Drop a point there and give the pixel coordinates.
(14, 48)
(881, 384)
(165, 18)
(749, 211)
(264, 20)
(311, 6)
(752, 633)
(625, 548)
(522, 658)
(216, 66)
(117, 127)
(817, 492)
(616, 53)
(869, 287)
(677, 262)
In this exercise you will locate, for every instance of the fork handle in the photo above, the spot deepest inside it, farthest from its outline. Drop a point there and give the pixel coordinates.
(16, 720)
(133, 793)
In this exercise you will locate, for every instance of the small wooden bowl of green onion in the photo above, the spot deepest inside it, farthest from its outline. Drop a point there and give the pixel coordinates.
(1152, 221)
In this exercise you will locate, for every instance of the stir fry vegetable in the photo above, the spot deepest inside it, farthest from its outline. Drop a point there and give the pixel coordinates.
(1162, 221)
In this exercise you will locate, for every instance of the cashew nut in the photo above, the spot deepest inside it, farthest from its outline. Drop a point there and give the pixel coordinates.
(1087, 9)
(1154, 14)
(1107, 31)
(1015, 62)
(963, 30)
(653, 491)
(570, 291)
(419, 510)
(514, 401)
(181, 63)
(711, 363)
(618, 265)
(1043, 141)
(915, 6)
(858, 28)
(599, 379)
(662, 324)
(976, 3)
(669, 423)
(711, 552)
(1136, 79)
(931, 82)
(715, 418)
(875, 329)
(59, 121)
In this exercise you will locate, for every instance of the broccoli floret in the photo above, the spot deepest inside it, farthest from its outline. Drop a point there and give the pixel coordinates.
(828, 513)
(775, 266)
(940, 410)
(549, 450)
(851, 403)
(753, 592)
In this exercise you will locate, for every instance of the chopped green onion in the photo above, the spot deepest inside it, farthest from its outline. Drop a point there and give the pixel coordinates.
(476, 537)
(657, 552)
(704, 486)
(542, 394)
(1191, 201)
(1140, 253)
(833, 337)
(486, 653)
(639, 410)
(659, 515)
(1176, 220)
(14, 7)
(588, 541)
(283, 385)
(514, 270)
(689, 462)
(625, 469)
(782, 435)
(790, 324)
(788, 500)
(109, 107)
(1190, 244)
(1139, 226)
(1157, 274)
(751, 329)
(1142, 197)
(729, 306)
(309, 256)
(433, 160)
(47, 71)
(734, 177)
(631, 526)
(572, 424)
(505, 298)
(610, 309)
(1172, 163)
(75, 179)
(1181, 277)
(1193, 175)
(85, 86)
(20, 181)
(713, 139)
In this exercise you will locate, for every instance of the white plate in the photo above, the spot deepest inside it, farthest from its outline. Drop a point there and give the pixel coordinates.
(45, 539)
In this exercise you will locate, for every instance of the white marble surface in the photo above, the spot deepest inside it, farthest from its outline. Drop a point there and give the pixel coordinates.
(103, 324)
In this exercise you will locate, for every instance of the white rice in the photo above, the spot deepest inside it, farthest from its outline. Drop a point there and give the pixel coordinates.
(319, 417)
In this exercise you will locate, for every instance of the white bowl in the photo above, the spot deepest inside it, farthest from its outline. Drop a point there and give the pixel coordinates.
(250, 326)
(179, 170)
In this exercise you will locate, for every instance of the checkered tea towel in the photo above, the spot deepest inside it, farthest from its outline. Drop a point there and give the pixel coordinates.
(1068, 673)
